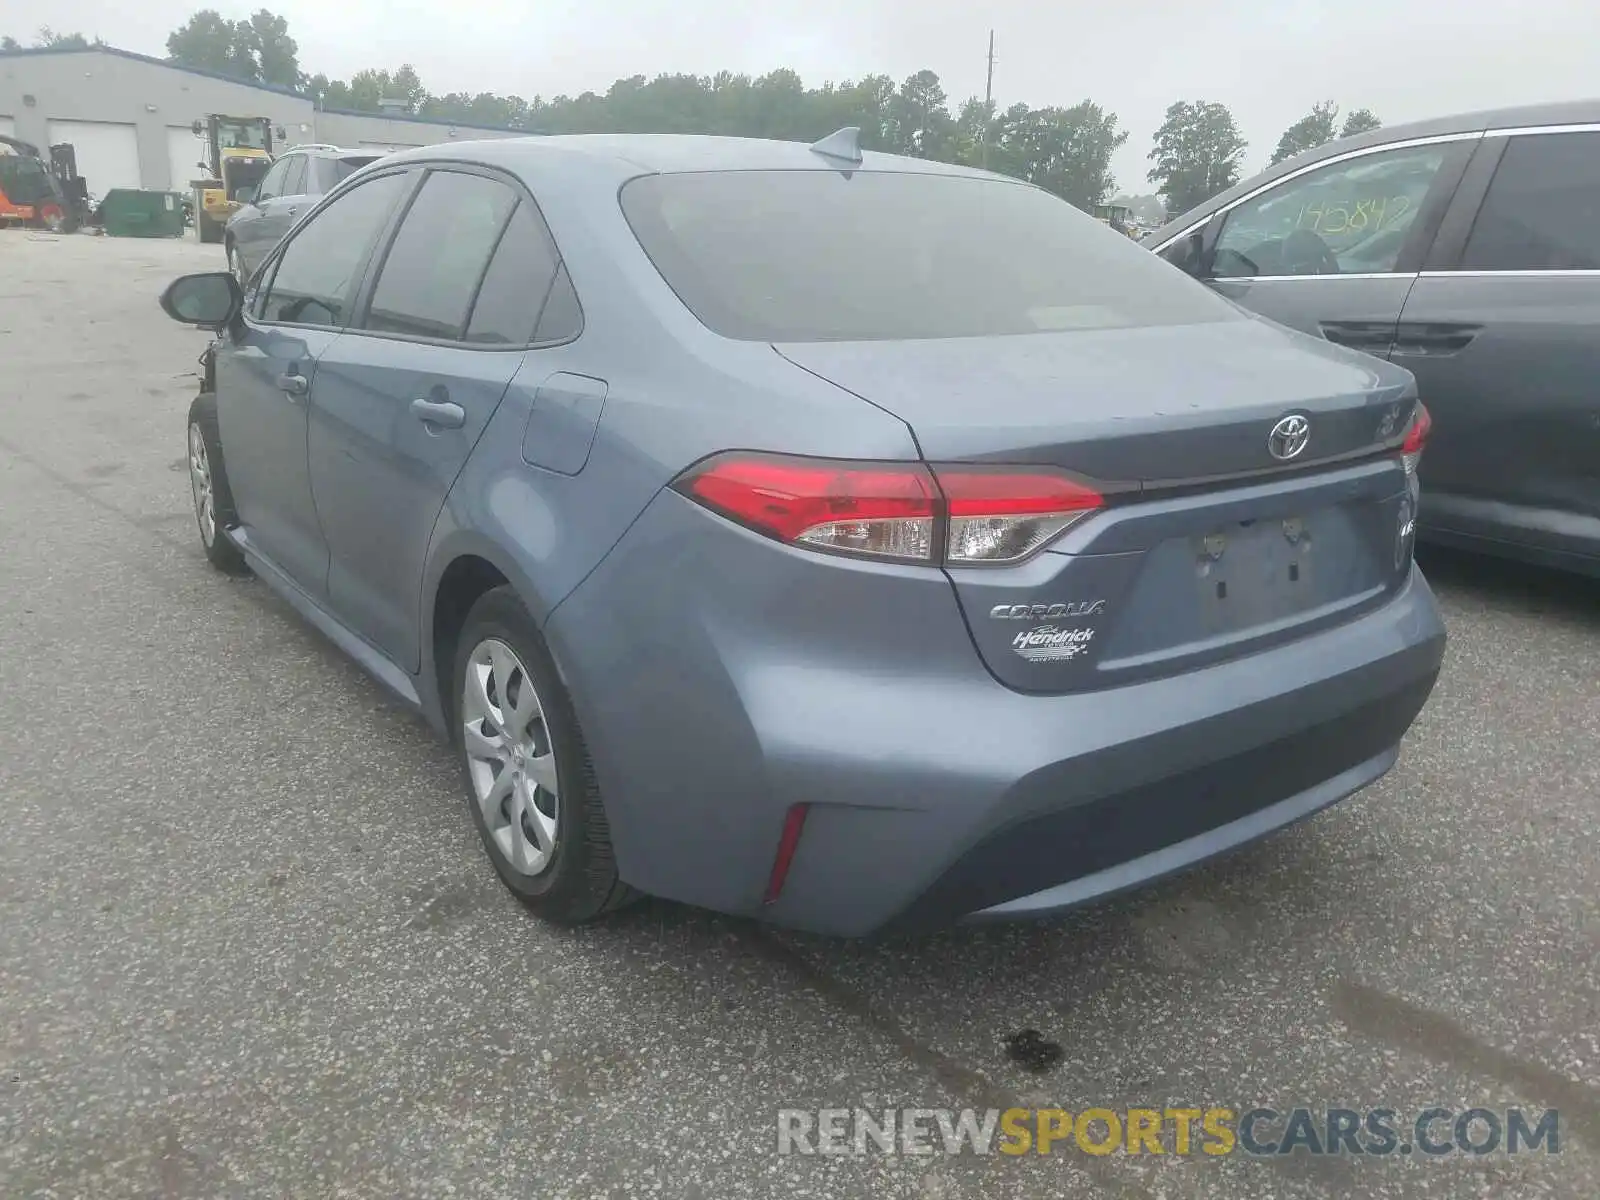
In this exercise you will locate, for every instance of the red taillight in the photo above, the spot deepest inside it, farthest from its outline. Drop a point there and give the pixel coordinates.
(885, 510)
(893, 510)
(999, 516)
(1416, 438)
(794, 824)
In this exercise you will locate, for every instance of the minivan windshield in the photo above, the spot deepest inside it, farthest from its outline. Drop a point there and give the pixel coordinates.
(808, 255)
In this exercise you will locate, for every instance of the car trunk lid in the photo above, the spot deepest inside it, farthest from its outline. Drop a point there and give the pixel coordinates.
(1154, 405)
(1215, 540)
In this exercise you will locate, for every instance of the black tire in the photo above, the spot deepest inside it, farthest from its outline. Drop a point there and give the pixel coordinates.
(580, 883)
(219, 548)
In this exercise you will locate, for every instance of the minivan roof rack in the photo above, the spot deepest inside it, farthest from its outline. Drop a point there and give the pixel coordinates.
(843, 144)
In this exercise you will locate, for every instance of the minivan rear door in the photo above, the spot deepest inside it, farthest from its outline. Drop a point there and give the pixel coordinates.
(1502, 331)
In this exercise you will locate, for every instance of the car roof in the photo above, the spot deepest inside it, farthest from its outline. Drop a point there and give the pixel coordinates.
(671, 153)
(1530, 116)
(334, 151)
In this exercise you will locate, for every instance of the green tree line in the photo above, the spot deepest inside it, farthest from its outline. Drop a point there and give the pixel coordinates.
(1065, 149)
(49, 39)
(1197, 152)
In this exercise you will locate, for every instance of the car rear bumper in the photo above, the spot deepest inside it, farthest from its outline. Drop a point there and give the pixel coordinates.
(717, 696)
(1128, 838)
(1124, 813)
(1153, 864)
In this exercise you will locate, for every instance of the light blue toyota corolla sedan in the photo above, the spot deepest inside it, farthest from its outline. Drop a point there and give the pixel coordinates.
(848, 541)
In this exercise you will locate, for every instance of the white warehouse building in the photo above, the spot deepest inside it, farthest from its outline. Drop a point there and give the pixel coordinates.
(129, 117)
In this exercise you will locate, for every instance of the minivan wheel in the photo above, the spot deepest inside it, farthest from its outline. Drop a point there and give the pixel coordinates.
(529, 781)
(208, 481)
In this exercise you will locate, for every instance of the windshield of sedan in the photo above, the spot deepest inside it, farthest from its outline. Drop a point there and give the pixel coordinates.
(244, 172)
(791, 256)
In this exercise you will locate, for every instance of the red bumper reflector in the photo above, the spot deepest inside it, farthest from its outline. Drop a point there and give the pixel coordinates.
(793, 823)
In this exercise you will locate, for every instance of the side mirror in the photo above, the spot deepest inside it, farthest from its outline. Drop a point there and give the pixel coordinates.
(1230, 264)
(198, 129)
(1185, 253)
(246, 195)
(210, 301)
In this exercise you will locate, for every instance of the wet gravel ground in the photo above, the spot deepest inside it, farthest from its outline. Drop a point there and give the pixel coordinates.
(249, 945)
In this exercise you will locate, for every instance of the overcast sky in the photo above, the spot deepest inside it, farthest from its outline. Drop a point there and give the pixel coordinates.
(1269, 60)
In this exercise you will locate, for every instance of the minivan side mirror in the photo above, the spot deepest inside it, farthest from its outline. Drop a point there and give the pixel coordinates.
(1230, 264)
(1185, 253)
(209, 301)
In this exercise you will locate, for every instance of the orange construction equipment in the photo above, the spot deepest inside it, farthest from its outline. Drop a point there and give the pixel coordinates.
(29, 192)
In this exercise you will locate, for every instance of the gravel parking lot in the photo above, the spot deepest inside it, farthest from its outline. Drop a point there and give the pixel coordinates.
(249, 945)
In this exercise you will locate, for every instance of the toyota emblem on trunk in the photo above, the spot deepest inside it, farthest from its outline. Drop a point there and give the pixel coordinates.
(1289, 437)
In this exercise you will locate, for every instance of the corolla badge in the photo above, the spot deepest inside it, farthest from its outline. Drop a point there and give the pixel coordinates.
(1047, 612)
(1289, 437)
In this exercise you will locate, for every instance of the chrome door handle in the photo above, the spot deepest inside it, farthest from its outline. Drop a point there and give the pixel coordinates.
(294, 385)
(442, 414)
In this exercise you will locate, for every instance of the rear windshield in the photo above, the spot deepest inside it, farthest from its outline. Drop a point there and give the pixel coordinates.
(815, 256)
(333, 171)
(350, 164)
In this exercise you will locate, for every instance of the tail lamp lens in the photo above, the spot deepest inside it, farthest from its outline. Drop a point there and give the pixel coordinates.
(1004, 516)
(876, 510)
(1416, 438)
(892, 511)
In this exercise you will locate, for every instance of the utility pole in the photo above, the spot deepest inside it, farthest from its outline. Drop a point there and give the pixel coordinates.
(988, 104)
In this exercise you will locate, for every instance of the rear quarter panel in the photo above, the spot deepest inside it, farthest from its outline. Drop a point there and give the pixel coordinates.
(674, 394)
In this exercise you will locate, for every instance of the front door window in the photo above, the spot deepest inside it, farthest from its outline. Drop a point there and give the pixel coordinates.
(1350, 217)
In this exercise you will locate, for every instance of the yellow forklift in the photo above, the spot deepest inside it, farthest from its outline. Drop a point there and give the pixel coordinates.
(238, 152)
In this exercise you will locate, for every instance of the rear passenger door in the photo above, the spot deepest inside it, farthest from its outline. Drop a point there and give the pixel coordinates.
(1503, 333)
(401, 399)
(1333, 250)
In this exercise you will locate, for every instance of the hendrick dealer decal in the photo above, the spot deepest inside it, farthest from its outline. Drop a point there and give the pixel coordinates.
(1051, 643)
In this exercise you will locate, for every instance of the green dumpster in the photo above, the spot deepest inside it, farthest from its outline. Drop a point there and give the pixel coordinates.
(129, 212)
